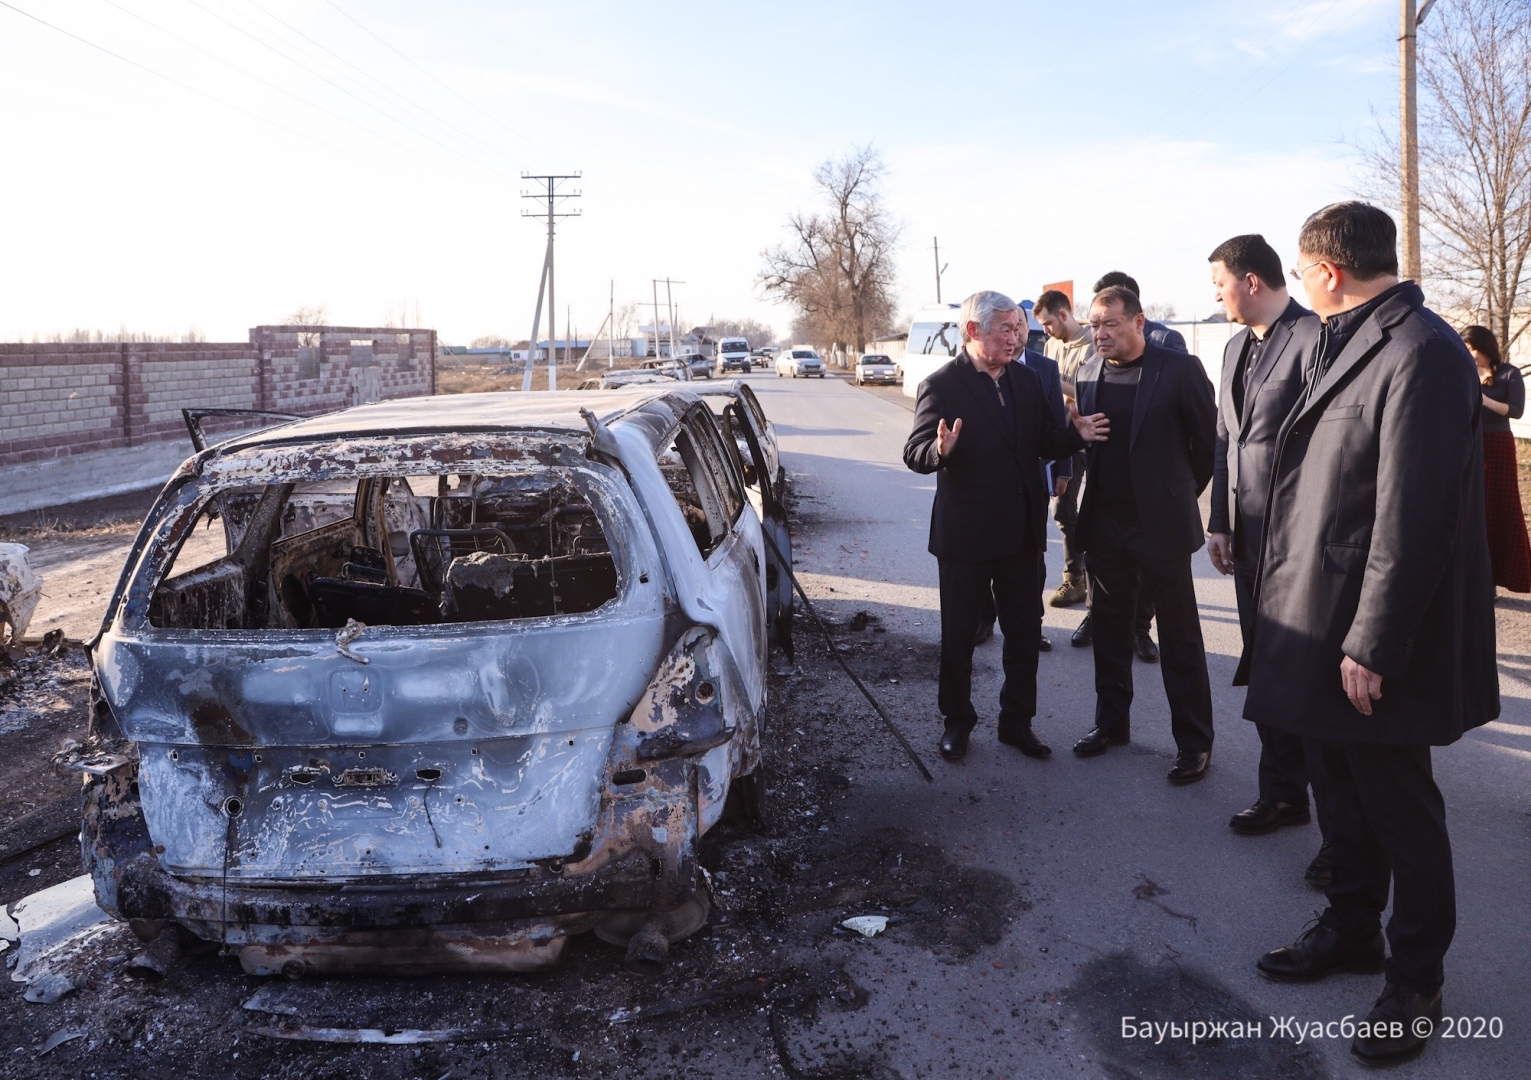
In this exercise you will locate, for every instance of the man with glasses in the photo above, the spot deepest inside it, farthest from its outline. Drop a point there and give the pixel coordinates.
(984, 426)
(1374, 613)
(1140, 521)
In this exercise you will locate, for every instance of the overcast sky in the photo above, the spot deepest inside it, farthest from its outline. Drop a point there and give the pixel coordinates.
(239, 158)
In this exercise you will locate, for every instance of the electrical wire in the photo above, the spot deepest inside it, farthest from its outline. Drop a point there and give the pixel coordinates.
(177, 82)
(265, 82)
(370, 77)
(323, 78)
(472, 104)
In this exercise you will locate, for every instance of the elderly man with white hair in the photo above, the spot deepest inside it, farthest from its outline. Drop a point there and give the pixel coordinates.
(983, 425)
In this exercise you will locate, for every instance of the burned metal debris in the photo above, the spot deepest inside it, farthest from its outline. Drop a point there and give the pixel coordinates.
(548, 673)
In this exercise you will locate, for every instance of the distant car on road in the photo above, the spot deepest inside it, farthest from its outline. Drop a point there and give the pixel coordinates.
(876, 368)
(800, 361)
(734, 355)
(668, 365)
(699, 365)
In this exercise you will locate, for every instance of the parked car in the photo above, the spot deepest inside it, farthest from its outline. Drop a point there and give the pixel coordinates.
(671, 366)
(701, 366)
(875, 368)
(800, 360)
(734, 355)
(612, 380)
(457, 678)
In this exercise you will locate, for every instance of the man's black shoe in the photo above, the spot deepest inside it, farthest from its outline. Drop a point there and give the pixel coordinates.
(1083, 636)
(1321, 951)
(954, 744)
(985, 632)
(1321, 869)
(1024, 739)
(1098, 740)
(1044, 645)
(1268, 815)
(1189, 767)
(1399, 1025)
(1147, 651)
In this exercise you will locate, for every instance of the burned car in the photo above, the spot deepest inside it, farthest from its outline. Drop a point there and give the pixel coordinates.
(433, 684)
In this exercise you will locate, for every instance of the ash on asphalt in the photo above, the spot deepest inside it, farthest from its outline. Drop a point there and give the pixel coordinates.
(748, 995)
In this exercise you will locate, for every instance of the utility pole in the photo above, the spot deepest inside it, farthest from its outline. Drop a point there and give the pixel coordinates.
(1408, 135)
(936, 244)
(554, 199)
(611, 327)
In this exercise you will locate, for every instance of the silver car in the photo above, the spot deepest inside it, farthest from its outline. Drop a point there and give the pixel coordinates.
(875, 368)
(799, 363)
(432, 685)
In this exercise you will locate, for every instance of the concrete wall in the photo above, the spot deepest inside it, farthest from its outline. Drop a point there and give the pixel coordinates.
(80, 421)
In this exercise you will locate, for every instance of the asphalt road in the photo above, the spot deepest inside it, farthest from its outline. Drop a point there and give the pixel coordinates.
(1138, 899)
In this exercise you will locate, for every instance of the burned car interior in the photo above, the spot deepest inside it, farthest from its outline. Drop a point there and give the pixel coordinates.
(394, 551)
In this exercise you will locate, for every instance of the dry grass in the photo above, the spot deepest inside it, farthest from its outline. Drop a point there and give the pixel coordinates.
(478, 379)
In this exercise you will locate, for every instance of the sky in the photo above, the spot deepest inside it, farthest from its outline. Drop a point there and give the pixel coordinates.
(211, 165)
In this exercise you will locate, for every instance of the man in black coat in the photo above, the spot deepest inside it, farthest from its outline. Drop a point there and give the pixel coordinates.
(1139, 522)
(983, 426)
(1374, 619)
(1264, 367)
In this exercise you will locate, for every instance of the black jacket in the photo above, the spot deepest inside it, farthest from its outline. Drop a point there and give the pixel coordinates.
(1052, 389)
(1174, 428)
(1375, 543)
(990, 497)
(1246, 439)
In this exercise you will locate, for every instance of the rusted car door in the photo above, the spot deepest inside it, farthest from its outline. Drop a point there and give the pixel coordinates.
(764, 495)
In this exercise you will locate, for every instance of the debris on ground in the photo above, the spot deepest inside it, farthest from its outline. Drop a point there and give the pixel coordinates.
(866, 925)
(20, 589)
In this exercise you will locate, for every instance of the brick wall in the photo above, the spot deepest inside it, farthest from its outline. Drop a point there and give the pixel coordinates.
(60, 400)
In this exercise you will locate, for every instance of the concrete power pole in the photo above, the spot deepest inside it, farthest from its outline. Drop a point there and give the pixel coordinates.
(554, 198)
(1408, 135)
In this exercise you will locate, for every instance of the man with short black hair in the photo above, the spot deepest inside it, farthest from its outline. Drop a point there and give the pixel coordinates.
(1139, 521)
(1070, 346)
(983, 425)
(1264, 366)
(1374, 612)
(1163, 336)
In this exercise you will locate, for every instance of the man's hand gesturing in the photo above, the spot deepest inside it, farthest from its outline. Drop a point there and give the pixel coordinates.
(1092, 428)
(946, 437)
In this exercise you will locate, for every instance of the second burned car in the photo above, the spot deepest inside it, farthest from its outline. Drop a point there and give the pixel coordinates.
(433, 685)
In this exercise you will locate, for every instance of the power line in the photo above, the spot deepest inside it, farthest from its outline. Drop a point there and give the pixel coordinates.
(177, 82)
(266, 82)
(433, 78)
(372, 78)
(323, 78)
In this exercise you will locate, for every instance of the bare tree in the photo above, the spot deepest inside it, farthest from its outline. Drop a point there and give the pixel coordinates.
(836, 268)
(755, 332)
(1475, 160)
(308, 315)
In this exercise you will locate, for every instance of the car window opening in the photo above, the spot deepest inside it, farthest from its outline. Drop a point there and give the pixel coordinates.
(399, 551)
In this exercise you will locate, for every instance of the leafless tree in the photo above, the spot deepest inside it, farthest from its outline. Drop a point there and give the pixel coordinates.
(1475, 160)
(755, 332)
(836, 268)
(1159, 312)
(308, 315)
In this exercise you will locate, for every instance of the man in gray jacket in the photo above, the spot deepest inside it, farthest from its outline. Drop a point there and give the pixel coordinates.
(1374, 618)
(1264, 367)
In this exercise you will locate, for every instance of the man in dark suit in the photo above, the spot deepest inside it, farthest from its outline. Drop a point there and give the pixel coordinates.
(983, 425)
(1055, 474)
(1264, 366)
(1374, 619)
(1165, 338)
(1139, 521)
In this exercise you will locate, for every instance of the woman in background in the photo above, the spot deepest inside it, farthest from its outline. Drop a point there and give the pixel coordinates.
(1504, 399)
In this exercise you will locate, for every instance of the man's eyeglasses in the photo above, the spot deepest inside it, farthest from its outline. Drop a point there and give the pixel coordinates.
(1298, 271)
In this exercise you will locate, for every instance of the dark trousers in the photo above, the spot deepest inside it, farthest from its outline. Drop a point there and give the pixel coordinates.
(1011, 587)
(1119, 560)
(1288, 763)
(1388, 824)
(1066, 514)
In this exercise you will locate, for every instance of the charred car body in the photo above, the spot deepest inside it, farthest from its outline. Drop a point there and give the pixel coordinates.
(434, 684)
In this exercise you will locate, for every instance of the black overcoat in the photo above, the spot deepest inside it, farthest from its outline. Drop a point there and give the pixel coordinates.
(1376, 546)
(990, 493)
(1174, 429)
(1246, 438)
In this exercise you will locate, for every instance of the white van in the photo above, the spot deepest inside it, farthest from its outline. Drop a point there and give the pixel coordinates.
(935, 337)
(734, 355)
